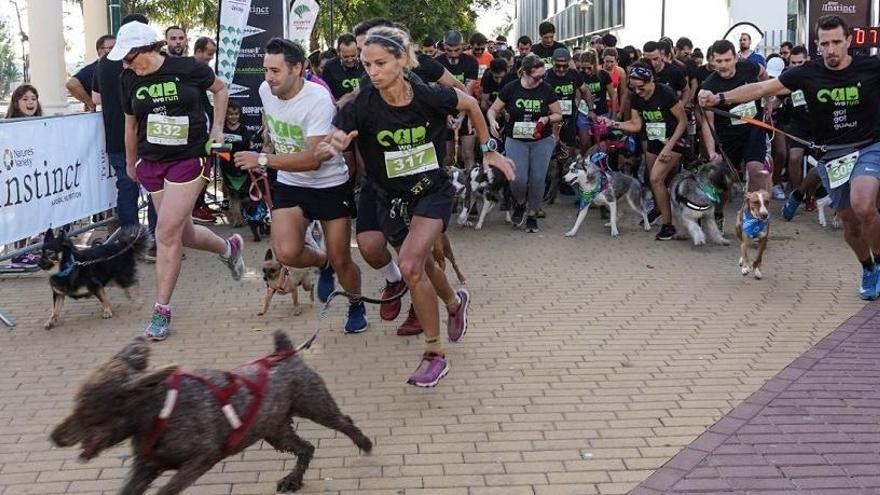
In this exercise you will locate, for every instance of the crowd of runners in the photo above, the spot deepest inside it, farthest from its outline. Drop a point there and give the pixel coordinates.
(368, 130)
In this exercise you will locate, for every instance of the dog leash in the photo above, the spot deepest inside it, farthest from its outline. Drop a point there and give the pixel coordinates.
(717, 139)
(259, 189)
(325, 311)
(106, 258)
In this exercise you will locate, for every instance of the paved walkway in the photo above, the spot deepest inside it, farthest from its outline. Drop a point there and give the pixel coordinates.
(813, 428)
(590, 362)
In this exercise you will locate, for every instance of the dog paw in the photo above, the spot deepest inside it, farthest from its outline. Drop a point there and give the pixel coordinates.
(614, 232)
(570, 233)
(107, 314)
(745, 269)
(723, 242)
(49, 324)
(758, 274)
(679, 236)
(261, 313)
(699, 242)
(835, 224)
(297, 310)
(289, 485)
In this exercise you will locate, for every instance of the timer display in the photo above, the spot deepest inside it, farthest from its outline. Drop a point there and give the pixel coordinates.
(865, 37)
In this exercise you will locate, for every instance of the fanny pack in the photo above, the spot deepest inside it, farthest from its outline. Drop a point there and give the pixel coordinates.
(398, 202)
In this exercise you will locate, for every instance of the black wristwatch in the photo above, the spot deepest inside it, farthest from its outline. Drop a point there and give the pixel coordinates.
(490, 145)
(722, 99)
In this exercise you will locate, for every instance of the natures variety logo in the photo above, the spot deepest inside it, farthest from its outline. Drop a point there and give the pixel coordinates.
(163, 92)
(846, 96)
(838, 8)
(528, 105)
(403, 138)
(301, 10)
(7, 159)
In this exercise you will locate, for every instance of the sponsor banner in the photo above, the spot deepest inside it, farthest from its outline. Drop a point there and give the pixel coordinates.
(53, 171)
(231, 29)
(302, 18)
(856, 13)
(265, 20)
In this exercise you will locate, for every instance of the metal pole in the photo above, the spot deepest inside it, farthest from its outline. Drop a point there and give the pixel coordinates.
(663, 18)
(332, 33)
(115, 15)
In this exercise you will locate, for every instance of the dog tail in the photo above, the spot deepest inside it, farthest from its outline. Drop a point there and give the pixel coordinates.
(282, 341)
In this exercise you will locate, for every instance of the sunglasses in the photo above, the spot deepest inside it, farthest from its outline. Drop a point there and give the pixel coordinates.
(638, 89)
(561, 65)
(128, 59)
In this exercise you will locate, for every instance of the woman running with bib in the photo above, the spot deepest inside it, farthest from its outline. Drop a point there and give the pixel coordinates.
(659, 115)
(166, 133)
(407, 197)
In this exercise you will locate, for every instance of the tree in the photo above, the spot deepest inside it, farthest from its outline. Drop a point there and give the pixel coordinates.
(187, 14)
(504, 28)
(9, 72)
(422, 17)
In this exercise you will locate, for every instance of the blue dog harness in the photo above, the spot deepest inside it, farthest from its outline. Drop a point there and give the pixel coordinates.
(752, 226)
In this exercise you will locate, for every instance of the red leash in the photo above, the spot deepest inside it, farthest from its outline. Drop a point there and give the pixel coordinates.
(260, 189)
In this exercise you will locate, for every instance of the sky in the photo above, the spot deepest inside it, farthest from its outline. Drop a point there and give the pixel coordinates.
(487, 21)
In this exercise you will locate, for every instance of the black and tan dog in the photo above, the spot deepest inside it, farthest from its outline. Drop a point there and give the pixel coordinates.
(87, 272)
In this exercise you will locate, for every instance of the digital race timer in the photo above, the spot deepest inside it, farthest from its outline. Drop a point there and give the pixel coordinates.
(865, 37)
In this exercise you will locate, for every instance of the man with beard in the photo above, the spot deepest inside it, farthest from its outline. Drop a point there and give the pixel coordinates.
(175, 36)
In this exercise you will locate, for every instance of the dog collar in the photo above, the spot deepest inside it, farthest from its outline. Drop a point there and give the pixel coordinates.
(752, 226)
(66, 268)
(587, 197)
(281, 289)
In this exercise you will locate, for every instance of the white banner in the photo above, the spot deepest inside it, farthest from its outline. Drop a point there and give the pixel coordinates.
(53, 171)
(300, 22)
(233, 27)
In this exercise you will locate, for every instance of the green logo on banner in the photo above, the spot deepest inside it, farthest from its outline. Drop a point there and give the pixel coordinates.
(301, 10)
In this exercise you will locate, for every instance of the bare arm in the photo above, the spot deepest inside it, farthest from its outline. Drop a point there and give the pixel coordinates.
(301, 161)
(633, 125)
(748, 92)
(221, 98)
(708, 138)
(77, 90)
(131, 138)
(448, 80)
(96, 97)
(492, 116)
(681, 127)
(468, 104)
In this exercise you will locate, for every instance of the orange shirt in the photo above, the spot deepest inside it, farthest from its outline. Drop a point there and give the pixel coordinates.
(483, 61)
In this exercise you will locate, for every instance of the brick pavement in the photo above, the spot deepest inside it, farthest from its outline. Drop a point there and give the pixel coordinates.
(813, 428)
(589, 363)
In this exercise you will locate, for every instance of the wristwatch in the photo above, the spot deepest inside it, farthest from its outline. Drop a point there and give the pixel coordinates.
(263, 161)
(490, 145)
(722, 99)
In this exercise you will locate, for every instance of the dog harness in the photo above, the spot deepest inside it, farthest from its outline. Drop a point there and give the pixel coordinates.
(239, 426)
(753, 226)
(587, 197)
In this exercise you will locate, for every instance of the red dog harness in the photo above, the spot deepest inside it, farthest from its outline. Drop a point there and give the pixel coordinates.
(281, 289)
(223, 395)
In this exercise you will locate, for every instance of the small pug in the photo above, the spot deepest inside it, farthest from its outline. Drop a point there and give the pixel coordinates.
(286, 280)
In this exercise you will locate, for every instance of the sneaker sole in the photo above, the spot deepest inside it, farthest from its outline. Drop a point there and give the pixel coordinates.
(154, 338)
(409, 333)
(464, 329)
(434, 383)
(356, 331)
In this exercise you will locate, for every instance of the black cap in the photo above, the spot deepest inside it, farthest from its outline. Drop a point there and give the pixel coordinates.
(561, 54)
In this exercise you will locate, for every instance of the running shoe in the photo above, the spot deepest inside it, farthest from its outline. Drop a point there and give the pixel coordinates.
(27, 260)
(667, 233)
(531, 225)
(389, 311)
(203, 216)
(457, 324)
(519, 213)
(432, 368)
(326, 282)
(870, 277)
(790, 207)
(160, 324)
(411, 325)
(357, 318)
(235, 261)
(778, 192)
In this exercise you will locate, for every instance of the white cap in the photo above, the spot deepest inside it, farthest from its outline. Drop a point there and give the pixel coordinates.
(775, 66)
(130, 36)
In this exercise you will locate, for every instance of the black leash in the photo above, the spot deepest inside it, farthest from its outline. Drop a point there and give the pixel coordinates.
(717, 139)
(325, 311)
(130, 245)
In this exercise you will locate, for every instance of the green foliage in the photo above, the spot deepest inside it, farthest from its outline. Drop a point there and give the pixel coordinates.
(9, 72)
(187, 14)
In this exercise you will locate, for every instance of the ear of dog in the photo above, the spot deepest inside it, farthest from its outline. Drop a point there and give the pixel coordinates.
(269, 255)
(152, 379)
(136, 354)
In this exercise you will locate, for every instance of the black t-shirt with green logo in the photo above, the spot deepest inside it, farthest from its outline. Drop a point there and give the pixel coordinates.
(397, 140)
(730, 130)
(598, 85)
(843, 103)
(172, 124)
(527, 105)
(466, 69)
(566, 87)
(491, 88)
(657, 109)
(341, 79)
(546, 53)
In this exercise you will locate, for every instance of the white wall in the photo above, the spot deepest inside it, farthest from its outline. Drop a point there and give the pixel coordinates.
(702, 21)
(768, 15)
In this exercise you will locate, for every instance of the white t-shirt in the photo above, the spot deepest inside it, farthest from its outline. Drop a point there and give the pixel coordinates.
(292, 122)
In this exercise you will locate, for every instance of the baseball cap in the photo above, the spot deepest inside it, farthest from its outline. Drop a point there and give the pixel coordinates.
(130, 36)
(775, 66)
(561, 54)
(452, 38)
